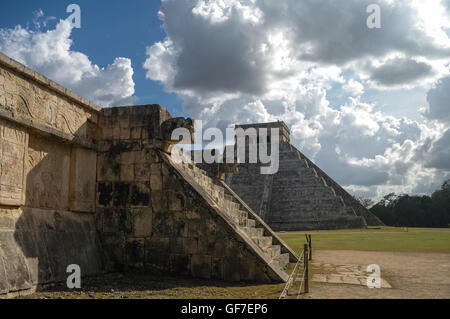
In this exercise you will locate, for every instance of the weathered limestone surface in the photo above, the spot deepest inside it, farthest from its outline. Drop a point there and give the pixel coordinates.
(13, 154)
(47, 181)
(100, 189)
(37, 245)
(155, 215)
(300, 195)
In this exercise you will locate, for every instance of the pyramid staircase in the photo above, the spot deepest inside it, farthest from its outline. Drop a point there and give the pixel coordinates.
(301, 196)
(252, 229)
(304, 199)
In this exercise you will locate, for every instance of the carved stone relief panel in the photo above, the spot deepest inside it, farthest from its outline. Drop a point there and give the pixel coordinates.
(24, 98)
(13, 152)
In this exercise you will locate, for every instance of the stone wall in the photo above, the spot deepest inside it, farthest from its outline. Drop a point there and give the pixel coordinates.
(96, 188)
(47, 181)
(300, 196)
(151, 218)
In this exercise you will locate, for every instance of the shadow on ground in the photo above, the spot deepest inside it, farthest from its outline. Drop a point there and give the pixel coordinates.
(120, 286)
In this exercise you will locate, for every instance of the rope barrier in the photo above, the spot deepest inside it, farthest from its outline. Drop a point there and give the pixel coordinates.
(305, 256)
(291, 277)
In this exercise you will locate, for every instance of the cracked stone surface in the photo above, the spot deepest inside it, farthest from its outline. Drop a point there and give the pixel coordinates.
(344, 274)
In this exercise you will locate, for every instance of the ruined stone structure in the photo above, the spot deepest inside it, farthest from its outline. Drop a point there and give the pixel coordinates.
(99, 188)
(300, 196)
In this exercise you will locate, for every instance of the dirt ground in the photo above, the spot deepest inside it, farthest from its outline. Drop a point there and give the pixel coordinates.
(411, 274)
(135, 286)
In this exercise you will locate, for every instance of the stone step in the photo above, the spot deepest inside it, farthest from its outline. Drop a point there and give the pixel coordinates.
(282, 260)
(236, 213)
(251, 223)
(309, 192)
(291, 179)
(239, 216)
(230, 206)
(254, 232)
(273, 251)
(263, 241)
(286, 207)
(297, 200)
(312, 214)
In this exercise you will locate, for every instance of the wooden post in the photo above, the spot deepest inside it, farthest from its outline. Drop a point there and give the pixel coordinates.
(310, 247)
(306, 257)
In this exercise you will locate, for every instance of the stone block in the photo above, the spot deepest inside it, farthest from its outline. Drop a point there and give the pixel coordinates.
(128, 157)
(121, 192)
(140, 194)
(142, 219)
(157, 254)
(116, 132)
(108, 167)
(190, 245)
(201, 266)
(231, 271)
(192, 215)
(105, 193)
(117, 220)
(180, 264)
(125, 133)
(180, 227)
(176, 245)
(141, 173)
(134, 254)
(159, 201)
(127, 172)
(136, 133)
(142, 157)
(176, 201)
(216, 268)
(83, 165)
(113, 245)
(162, 224)
(156, 182)
(17, 275)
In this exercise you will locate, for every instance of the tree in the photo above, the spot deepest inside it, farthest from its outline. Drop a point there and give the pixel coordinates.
(415, 211)
(366, 202)
(446, 185)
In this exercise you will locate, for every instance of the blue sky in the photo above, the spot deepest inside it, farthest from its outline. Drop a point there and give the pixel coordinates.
(111, 29)
(369, 105)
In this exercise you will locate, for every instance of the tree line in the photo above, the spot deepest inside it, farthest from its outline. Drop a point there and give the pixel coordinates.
(413, 211)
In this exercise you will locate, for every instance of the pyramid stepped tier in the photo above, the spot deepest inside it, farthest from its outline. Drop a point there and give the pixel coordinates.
(302, 196)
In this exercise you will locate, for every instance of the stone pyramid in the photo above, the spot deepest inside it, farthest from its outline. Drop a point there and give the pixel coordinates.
(300, 196)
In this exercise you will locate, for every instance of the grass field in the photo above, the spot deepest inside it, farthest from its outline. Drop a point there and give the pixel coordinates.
(374, 239)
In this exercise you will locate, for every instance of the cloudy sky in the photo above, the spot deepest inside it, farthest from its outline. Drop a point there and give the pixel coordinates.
(370, 106)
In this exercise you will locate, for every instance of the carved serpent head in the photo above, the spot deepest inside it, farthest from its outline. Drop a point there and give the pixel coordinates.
(169, 126)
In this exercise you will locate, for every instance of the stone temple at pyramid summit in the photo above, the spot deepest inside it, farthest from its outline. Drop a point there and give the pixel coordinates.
(300, 196)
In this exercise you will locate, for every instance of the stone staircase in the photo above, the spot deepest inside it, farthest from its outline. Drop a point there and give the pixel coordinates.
(304, 199)
(249, 225)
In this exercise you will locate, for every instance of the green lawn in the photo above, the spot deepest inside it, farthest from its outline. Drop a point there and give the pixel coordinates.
(374, 239)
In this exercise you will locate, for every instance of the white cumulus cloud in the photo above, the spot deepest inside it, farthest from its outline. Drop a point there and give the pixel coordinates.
(49, 52)
(250, 61)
